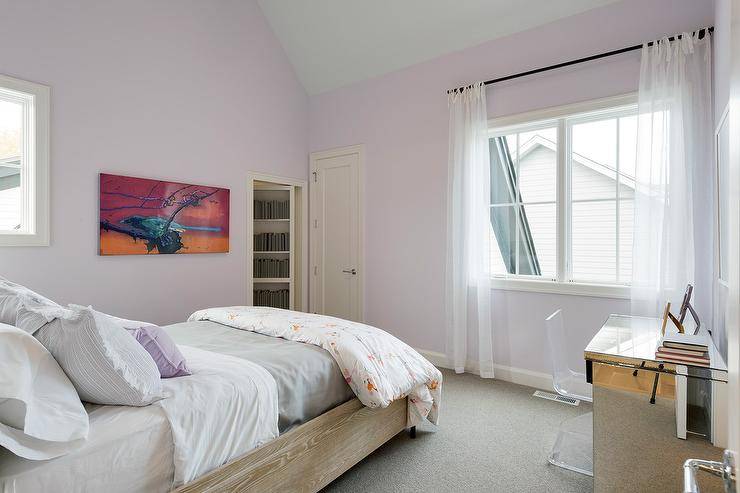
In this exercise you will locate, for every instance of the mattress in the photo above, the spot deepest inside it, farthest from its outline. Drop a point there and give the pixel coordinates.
(309, 381)
(129, 449)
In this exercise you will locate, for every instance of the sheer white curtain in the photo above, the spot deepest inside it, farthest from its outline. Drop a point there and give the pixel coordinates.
(674, 152)
(468, 233)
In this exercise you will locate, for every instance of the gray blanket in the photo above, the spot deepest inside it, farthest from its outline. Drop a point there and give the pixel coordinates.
(309, 381)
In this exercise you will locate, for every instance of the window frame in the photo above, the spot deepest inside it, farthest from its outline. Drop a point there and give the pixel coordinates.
(560, 117)
(35, 163)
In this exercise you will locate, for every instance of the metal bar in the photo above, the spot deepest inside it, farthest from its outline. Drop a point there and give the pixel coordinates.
(702, 33)
(655, 388)
(617, 364)
(562, 195)
(545, 202)
(617, 222)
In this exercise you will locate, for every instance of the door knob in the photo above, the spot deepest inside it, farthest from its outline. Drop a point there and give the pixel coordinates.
(351, 271)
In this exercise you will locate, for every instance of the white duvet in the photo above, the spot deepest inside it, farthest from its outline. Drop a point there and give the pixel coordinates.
(227, 407)
(378, 367)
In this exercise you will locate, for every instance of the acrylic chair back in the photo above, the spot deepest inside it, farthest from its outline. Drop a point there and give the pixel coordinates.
(561, 373)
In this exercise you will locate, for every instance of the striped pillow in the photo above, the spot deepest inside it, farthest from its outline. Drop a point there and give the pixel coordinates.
(105, 364)
(12, 295)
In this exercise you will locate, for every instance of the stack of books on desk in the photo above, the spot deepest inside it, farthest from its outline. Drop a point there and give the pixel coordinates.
(684, 349)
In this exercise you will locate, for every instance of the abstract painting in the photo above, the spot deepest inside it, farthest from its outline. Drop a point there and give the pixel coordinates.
(139, 216)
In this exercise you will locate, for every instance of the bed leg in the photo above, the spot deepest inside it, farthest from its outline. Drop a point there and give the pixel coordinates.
(412, 432)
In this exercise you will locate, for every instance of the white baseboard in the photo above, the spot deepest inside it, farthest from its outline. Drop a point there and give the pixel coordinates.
(511, 374)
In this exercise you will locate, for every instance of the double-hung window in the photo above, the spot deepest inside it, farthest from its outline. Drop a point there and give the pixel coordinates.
(562, 193)
(24, 163)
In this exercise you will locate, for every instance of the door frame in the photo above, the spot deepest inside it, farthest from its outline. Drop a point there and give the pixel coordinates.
(732, 318)
(253, 176)
(358, 149)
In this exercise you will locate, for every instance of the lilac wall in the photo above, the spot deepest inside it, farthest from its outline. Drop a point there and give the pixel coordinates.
(722, 18)
(186, 90)
(402, 120)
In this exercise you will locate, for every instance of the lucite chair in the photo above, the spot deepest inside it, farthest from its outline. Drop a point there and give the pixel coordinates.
(573, 448)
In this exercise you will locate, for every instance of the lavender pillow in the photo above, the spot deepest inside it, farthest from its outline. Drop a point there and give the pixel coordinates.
(163, 350)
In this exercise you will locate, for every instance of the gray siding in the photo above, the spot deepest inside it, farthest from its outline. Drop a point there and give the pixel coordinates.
(594, 221)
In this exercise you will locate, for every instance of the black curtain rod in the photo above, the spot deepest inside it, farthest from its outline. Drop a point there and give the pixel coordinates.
(702, 32)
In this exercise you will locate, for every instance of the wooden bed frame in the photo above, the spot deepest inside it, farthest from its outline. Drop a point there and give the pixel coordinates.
(308, 457)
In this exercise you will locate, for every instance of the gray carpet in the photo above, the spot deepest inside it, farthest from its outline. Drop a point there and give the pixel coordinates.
(493, 436)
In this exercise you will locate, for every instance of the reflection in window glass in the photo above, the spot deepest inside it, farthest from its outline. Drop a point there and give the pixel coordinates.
(723, 197)
(523, 203)
(11, 125)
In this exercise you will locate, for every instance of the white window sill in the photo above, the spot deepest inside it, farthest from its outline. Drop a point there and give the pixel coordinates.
(24, 239)
(554, 287)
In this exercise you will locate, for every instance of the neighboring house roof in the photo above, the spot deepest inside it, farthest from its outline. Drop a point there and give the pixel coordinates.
(10, 166)
(604, 169)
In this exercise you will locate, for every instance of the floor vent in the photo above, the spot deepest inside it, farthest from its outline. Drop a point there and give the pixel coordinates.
(557, 397)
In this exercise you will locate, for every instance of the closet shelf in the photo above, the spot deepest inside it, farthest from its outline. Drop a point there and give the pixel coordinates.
(276, 274)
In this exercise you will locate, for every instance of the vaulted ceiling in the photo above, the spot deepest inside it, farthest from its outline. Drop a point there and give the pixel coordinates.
(333, 43)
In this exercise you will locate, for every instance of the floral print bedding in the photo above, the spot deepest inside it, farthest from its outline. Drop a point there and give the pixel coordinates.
(378, 367)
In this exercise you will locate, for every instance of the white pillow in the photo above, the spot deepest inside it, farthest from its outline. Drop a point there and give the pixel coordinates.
(11, 299)
(106, 364)
(41, 416)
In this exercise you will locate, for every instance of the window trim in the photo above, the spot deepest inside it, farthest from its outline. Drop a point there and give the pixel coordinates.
(613, 291)
(556, 112)
(37, 152)
(555, 117)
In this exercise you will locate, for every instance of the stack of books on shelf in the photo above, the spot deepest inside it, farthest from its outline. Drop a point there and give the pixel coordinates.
(271, 242)
(684, 349)
(268, 267)
(271, 209)
(275, 298)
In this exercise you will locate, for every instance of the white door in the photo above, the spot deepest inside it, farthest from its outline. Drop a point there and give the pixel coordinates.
(732, 320)
(336, 233)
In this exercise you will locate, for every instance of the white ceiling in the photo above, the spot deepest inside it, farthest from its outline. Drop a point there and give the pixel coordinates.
(333, 43)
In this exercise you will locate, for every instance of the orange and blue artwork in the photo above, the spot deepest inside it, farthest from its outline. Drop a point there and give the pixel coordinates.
(140, 216)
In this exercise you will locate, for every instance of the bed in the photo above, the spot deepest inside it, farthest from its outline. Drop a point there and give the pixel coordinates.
(324, 429)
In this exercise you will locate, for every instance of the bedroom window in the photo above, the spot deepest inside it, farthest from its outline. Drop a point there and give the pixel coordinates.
(24, 165)
(562, 191)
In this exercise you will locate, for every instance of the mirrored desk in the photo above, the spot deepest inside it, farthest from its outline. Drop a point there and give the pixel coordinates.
(646, 427)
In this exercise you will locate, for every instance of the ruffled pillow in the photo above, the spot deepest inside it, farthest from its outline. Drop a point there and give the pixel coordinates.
(158, 344)
(162, 349)
(105, 364)
(13, 296)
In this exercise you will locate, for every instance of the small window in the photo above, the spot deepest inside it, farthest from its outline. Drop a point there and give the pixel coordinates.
(562, 194)
(24, 163)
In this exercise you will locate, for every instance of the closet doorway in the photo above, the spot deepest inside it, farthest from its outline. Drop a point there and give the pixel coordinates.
(337, 267)
(277, 242)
